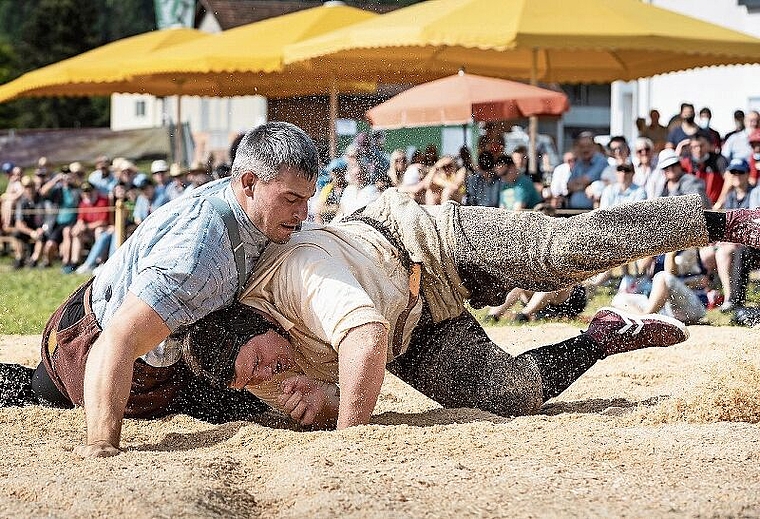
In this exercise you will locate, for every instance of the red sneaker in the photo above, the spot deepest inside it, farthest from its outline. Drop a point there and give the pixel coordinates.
(743, 226)
(617, 332)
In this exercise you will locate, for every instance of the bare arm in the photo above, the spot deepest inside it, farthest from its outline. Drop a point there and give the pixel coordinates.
(134, 330)
(361, 367)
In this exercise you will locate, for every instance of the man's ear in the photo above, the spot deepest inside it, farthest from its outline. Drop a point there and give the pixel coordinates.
(249, 180)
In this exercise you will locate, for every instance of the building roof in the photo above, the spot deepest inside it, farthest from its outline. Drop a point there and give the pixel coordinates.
(232, 13)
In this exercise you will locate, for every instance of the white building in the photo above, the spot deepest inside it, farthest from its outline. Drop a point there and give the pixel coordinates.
(723, 89)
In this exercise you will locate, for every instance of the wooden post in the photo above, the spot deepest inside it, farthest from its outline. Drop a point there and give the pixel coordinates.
(120, 222)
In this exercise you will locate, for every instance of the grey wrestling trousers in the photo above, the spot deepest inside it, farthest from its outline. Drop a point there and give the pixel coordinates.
(455, 363)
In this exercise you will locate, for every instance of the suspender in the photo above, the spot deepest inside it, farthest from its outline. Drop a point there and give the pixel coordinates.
(225, 211)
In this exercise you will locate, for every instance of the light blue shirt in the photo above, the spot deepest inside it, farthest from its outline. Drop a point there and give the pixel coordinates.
(179, 261)
(612, 195)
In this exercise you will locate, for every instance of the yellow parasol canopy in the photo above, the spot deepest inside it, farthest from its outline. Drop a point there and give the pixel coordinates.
(249, 59)
(541, 40)
(101, 70)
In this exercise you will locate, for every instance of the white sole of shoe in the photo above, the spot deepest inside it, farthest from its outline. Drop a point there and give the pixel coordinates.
(631, 318)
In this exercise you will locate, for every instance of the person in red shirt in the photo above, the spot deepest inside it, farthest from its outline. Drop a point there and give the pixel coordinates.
(707, 165)
(754, 158)
(92, 220)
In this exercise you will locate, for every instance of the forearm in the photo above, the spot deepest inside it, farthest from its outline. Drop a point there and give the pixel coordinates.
(107, 381)
(361, 368)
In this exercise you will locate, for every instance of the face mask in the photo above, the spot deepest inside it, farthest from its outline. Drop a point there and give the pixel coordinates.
(756, 156)
(704, 122)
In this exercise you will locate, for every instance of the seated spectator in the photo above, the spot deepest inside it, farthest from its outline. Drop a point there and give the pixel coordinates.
(707, 165)
(676, 181)
(655, 132)
(727, 255)
(196, 175)
(484, 186)
(518, 191)
(28, 232)
(176, 186)
(413, 181)
(13, 191)
(126, 172)
(103, 178)
(397, 167)
(737, 146)
(678, 289)
(63, 195)
(359, 191)
(588, 168)
(646, 174)
(713, 137)
(159, 170)
(430, 156)
(685, 127)
(754, 159)
(620, 152)
(328, 203)
(148, 200)
(105, 244)
(623, 190)
(92, 221)
(560, 176)
(561, 304)
(445, 181)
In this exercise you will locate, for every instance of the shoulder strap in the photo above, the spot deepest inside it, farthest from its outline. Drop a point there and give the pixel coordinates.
(225, 211)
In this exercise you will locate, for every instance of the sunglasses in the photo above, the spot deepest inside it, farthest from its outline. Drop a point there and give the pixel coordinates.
(643, 151)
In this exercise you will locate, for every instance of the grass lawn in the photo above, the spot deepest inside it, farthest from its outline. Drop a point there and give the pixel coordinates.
(30, 296)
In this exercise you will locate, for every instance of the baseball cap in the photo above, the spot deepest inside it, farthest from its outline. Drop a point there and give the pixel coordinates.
(739, 166)
(7, 167)
(666, 158)
(158, 166)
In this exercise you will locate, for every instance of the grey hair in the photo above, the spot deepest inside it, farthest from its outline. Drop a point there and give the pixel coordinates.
(270, 146)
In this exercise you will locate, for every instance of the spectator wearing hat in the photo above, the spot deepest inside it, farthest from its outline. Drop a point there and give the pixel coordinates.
(148, 200)
(518, 191)
(63, 196)
(28, 232)
(176, 186)
(728, 255)
(126, 172)
(159, 170)
(103, 178)
(645, 170)
(676, 181)
(92, 221)
(197, 175)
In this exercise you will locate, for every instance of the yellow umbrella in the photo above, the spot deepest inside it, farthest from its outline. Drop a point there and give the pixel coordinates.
(540, 40)
(249, 59)
(543, 40)
(101, 70)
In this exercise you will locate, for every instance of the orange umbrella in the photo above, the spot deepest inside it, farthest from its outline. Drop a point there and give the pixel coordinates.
(462, 98)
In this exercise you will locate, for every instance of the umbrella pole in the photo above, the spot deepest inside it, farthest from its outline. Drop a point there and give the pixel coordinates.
(333, 118)
(533, 120)
(178, 133)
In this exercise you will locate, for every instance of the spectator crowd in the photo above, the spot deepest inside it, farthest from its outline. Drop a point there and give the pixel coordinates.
(66, 215)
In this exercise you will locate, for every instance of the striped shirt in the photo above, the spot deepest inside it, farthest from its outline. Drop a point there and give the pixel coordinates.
(179, 261)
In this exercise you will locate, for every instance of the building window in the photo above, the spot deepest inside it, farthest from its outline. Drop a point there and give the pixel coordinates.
(140, 108)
